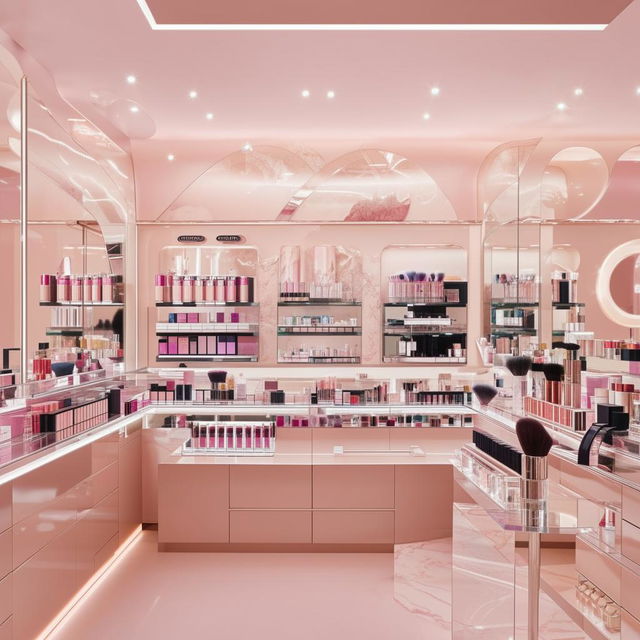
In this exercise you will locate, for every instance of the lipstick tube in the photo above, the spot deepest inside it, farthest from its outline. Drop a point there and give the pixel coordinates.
(160, 281)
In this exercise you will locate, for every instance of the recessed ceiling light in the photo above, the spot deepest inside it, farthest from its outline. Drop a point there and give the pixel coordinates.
(331, 94)
(247, 147)
(171, 157)
(306, 93)
(209, 116)
(561, 106)
(193, 94)
(578, 91)
(131, 79)
(134, 108)
(426, 116)
(435, 91)
(638, 91)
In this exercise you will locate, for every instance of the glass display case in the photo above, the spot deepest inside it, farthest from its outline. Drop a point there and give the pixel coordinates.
(425, 313)
(319, 315)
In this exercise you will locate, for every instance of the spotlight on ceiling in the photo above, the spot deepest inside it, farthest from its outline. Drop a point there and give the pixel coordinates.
(131, 79)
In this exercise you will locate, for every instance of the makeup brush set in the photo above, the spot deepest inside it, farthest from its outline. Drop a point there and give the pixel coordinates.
(417, 286)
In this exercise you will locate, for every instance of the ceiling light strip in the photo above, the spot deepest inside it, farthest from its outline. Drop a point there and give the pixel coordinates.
(144, 7)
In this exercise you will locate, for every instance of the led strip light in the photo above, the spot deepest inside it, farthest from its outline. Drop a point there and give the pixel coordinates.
(363, 27)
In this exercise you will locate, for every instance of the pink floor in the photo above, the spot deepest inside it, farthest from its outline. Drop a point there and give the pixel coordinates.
(236, 596)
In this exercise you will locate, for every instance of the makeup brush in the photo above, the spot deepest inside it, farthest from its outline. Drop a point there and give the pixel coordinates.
(535, 443)
(217, 377)
(519, 367)
(554, 374)
(485, 393)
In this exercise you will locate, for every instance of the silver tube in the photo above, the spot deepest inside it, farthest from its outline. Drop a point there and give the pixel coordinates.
(533, 587)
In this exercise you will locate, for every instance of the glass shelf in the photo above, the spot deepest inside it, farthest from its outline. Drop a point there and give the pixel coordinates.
(568, 305)
(500, 304)
(190, 357)
(319, 303)
(425, 304)
(205, 304)
(82, 304)
(342, 334)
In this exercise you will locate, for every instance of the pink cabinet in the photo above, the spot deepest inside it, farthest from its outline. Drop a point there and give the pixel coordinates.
(270, 526)
(423, 501)
(353, 487)
(270, 487)
(130, 483)
(353, 527)
(193, 503)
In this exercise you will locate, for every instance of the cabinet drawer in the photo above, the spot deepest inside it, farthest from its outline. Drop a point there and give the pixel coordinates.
(353, 527)
(265, 487)
(353, 487)
(270, 526)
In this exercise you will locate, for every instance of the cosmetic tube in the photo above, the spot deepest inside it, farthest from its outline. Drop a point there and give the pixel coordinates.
(107, 288)
(45, 288)
(96, 288)
(87, 288)
(244, 289)
(160, 288)
(176, 290)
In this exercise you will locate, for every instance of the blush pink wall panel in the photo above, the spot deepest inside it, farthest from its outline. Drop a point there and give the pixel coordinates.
(353, 527)
(130, 483)
(353, 487)
(193, 503)
(6, 597)
(294, 440)
(423, 500)
(104, 452)
(325, 439)
(6, 630)
(6, 553)
(600, 569)
(107, 550)
(158, 446)
(631, 505)
(630, 588)
(95, 488)
(97, 526)
(630, 544)
(49, 579)
(39, 529)
(6, 499)
(431, 440)
(33, 490)
(270, 526)
(630, 627)
(270, 487)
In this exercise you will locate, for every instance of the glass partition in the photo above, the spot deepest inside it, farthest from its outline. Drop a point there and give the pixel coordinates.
(77, 207)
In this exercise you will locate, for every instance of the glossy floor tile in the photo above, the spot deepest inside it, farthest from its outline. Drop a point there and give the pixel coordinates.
(236, 596)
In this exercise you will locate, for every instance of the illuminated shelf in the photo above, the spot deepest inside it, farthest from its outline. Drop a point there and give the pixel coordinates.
(180, 305)
(194, 358)
(82, 304)
(318, 303)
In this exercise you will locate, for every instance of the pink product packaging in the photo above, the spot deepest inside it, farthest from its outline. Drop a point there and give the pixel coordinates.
(235, 317)
(188, 377)
(220, 316)
(232, 347)
(173, 345)
(192, 317)
(182, 317)
(211, 346)
(247, 346)
(202, 349)
(183, 345)
(162, 347)
(221, 344)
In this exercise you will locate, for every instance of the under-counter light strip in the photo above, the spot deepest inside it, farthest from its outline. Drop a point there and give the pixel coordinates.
(144, 7)
(93, 581)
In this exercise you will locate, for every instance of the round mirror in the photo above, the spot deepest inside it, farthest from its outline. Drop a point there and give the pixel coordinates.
(625, 284)
(618, 284)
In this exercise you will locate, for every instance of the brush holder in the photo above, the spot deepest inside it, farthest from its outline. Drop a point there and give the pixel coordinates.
(534, 480)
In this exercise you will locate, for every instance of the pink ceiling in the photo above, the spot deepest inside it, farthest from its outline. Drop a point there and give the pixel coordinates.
(494, 85)
(397, 12)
